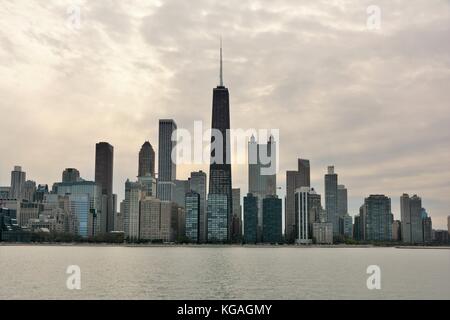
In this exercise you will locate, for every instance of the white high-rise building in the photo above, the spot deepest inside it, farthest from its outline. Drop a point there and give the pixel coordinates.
(131, 207)
(302, 215)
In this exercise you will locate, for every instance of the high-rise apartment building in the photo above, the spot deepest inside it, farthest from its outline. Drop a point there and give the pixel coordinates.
(192, 211)
(167, 168)
(272, 220)
(250, 219)
(104, 164)
(18, 178)
(379, 218)
(295, 180)
(331, 199)
(198, 184)
(411, 217)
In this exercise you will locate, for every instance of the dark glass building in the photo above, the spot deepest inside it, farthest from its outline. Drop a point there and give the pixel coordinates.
(146, 160)
(272, 220)
(220, 168)
(104, 162)
(192, 207)
(70, 175)
(167, 169)
(250, 218)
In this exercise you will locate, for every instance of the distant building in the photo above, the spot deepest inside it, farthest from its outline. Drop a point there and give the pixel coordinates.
(18, 178)
(41, 191)
(440, 236)
(93, 216)
(181, 188)
(379, 218)
(331, 199)
(70, 175)
(272, 220)
(448, 225)
(250, 218)
(295, 180)
(198, 185)
(342, 201)
(236, 233)
(4, 192)
(147, 160)
(411, 217)
(218, 218)
(302, 215)
(262, 182)
(160, 220)
(323, 233)
(29, 191)
(104, 166)
(396, 231)
(346, 226)
(427, 227)
(167, 170)
(192, 210)
(148, 183)
(131, 209)
(28, 211)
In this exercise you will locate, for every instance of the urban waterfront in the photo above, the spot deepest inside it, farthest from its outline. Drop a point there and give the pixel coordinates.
(39, 272)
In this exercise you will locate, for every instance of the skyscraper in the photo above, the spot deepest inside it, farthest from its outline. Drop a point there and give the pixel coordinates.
(261, 184)
(198, 185)
(104, 163)
(17, 183)
(295, 180)
(131, 207)
(167, 169)
(218, 222)
(29, 190)
(220, 169)
(181, 188)
(342, 202)
(70, 175)
(302, 215)
(411, 215)
(331, 199)
(250, 218)
(192, 207)
(237, 216)
(427, 229)
(379, 219)
(272, 220)
(146, 160)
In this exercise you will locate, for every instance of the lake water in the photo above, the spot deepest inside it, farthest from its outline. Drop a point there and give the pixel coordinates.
(38, 272)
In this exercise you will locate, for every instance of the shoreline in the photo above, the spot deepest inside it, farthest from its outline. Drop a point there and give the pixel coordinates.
(200, 246)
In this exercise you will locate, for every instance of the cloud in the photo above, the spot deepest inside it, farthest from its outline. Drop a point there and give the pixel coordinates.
(374, 103)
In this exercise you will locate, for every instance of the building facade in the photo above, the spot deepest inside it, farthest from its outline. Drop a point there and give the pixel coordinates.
(218, 221)
(104, 166)
(295, 180)
(379, 218)
(331, 199)
(146, 165)
(192, 211)
(250, 219)
(272, 220)
(167, 168)
(198, 184)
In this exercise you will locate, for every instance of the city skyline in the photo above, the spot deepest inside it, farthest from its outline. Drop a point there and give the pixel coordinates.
(381, 152)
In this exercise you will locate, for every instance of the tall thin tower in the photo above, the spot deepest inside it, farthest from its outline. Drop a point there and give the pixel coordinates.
(220, 168)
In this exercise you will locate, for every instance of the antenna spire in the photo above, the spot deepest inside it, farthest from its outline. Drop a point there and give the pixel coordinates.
(221, 63)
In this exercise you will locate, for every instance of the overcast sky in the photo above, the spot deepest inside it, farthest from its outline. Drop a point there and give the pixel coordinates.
(374, 103)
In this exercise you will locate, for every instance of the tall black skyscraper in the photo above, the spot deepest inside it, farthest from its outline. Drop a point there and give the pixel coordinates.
(146, 160)
(220, 168)
(167, 168)
(104, 162)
